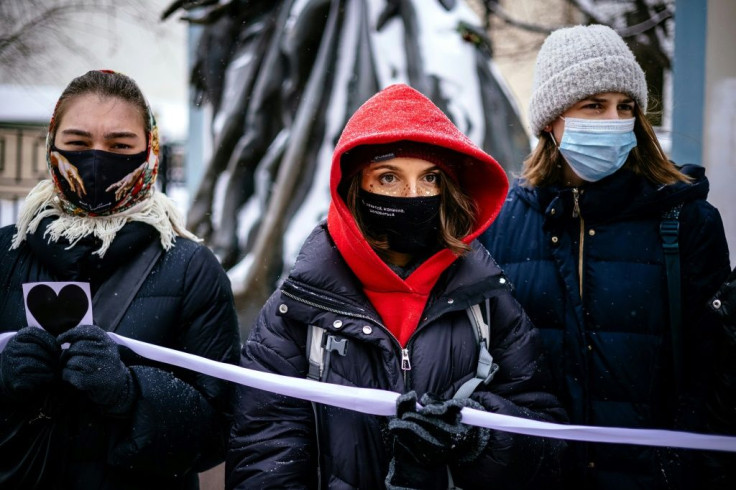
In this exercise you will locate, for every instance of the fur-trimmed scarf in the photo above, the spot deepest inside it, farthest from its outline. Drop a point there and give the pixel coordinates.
(158, 211)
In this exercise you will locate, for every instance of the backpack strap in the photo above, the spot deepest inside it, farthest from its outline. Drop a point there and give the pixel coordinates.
(486, 369)
(315, 352)
(669, 230)
(318, 345)
(113, 298)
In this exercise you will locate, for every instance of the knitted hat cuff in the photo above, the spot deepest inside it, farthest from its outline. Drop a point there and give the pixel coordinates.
(609, 75)
(578, 62)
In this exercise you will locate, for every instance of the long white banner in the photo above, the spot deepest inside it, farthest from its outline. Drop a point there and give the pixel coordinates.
(379, 402)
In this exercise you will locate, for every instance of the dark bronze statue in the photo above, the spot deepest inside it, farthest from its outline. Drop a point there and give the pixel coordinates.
(282, 78)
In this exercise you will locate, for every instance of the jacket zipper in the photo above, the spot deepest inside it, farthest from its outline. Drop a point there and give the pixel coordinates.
(405, 361)
(405, 365)
(576, 214)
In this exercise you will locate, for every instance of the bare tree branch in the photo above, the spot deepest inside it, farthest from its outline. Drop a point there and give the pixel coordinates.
(31, 31)
(500, 12)
(629, 31)
(31, 26)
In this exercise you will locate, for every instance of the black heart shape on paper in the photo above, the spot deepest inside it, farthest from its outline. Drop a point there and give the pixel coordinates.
(57, 313)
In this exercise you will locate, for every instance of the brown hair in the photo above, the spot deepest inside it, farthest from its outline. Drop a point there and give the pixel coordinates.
(457, 215)
(103, 83)
(544, 166)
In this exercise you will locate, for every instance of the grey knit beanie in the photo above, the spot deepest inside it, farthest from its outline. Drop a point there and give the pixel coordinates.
(577, 62)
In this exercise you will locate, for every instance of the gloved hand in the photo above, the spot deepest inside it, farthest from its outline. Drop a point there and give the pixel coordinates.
(405, 473)
(92, 364)
(29, 363)
(433, 435)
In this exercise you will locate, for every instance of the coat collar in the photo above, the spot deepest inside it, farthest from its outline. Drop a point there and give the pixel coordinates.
(322, 273)
(79, 262)
(620, 196)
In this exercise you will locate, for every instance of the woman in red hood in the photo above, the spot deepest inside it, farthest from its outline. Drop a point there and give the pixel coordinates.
(387, 284)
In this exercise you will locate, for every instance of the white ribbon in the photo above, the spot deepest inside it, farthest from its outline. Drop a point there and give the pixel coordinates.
(380, 402)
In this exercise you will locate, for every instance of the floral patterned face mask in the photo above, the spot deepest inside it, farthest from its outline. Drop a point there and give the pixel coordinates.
(95, 180)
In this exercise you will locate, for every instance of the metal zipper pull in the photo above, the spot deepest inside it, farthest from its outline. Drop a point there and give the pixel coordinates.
(40, 416)
(576, 206)
(581, 239)
(405, 362)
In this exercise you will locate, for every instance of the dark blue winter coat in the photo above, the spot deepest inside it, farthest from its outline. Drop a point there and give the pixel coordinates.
(593, 281)
(273, 443)
(180, 421)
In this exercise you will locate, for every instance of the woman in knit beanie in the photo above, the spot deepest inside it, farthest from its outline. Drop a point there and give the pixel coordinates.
(77, 411)
(579, 236)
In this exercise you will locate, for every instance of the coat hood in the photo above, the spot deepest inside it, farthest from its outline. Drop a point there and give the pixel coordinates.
(398, 113)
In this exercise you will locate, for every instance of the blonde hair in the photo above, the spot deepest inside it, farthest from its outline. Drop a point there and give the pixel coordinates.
(544, 166)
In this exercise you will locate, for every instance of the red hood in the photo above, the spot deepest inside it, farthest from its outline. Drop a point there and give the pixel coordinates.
(401, 113)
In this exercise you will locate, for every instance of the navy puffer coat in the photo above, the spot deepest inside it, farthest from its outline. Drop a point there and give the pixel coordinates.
(273, 442)
(593, 280)
(179, 423)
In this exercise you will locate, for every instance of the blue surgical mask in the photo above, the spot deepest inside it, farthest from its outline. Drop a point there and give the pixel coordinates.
(597, 148)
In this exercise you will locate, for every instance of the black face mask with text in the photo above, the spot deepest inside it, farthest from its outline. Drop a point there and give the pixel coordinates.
(98, 170)
(410, 224)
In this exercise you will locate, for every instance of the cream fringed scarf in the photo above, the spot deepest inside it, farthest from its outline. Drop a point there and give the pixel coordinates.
(158, 211)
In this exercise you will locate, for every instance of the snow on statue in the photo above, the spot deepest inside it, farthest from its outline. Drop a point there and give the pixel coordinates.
(281, 80)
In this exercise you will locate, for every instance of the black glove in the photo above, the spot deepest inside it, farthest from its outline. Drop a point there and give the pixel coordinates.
(92, 364)
(405, 473)
(29, 363)
(433, 435)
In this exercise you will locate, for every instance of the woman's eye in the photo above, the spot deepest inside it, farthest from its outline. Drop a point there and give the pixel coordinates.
(626, 108)
(432, 178)
(387, 179)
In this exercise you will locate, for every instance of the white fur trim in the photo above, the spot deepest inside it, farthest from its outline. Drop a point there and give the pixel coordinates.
(158, 211)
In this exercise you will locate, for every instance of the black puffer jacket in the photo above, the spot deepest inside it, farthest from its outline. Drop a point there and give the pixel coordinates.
(273, 441)
(179, 422)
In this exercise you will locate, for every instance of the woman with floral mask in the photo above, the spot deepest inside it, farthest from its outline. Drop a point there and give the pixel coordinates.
(579, 236)
(387, 281)
(76, 410)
